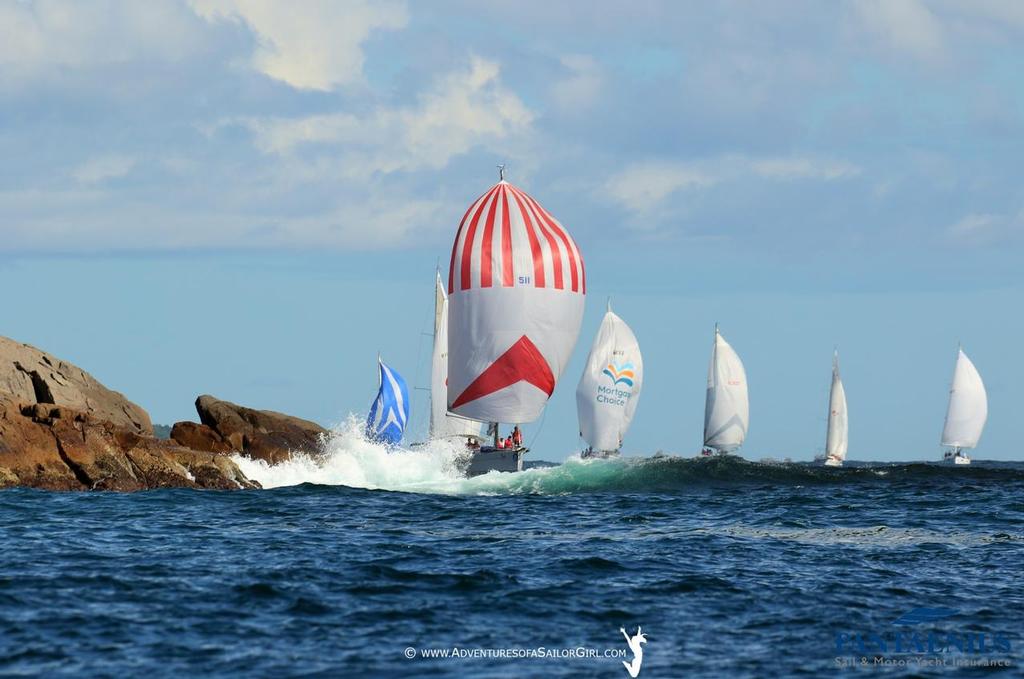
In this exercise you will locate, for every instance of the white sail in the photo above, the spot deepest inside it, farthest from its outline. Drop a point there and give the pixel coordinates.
(443, 424)
(968, 406)
(727, 409)
(516, 288)
(837, 437)
(609, 389)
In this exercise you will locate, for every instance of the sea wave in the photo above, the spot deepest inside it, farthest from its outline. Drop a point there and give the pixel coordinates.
(349, 459)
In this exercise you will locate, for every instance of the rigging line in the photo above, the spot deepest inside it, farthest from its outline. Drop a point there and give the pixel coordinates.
(543, 419)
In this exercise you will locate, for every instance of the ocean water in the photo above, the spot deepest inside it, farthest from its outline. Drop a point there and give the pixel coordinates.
(349, 562)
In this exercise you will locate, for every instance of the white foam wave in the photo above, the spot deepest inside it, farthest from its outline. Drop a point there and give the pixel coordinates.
(349, 459)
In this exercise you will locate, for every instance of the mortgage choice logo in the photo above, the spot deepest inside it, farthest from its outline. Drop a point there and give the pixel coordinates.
(924, 637)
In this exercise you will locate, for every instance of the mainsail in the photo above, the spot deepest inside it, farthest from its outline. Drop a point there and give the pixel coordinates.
(442, 424)
(726, 410)
(968, 406)
(609, 389)
(390, 410)
(837, 437)
(516, 286)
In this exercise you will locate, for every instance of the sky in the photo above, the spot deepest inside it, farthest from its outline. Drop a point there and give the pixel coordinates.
(249, 198)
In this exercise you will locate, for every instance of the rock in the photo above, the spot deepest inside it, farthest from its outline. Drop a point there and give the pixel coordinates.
(199, 437)
(32, 376)
(260, 434)
(59, 448)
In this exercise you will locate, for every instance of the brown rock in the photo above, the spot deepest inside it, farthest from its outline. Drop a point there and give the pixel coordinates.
(260, 434)
(63, 449)
(199, 437)
(31, 376)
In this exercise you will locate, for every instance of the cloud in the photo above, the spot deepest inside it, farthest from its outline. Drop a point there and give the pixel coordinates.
(802, 168)
(48, 36)
(580, 89)
(464, 109)
(643, 188)
(315, 46)
(906, 26)
(99, 169)
(986, 228)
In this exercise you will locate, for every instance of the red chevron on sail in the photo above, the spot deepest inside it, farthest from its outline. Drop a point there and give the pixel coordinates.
(522, 362)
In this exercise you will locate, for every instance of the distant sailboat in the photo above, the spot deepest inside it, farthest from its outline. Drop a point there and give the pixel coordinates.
(516, 288)
(444, 425)
(967, 411)
(727, 408)
(390, 410)
(609, 388)
(837, 436)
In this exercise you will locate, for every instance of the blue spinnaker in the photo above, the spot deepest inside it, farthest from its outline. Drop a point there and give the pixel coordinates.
(390, 410)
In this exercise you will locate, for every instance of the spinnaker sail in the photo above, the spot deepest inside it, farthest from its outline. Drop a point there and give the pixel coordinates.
(516, 287)
(390, 410)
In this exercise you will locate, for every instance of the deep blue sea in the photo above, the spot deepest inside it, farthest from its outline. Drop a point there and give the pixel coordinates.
(731, 568)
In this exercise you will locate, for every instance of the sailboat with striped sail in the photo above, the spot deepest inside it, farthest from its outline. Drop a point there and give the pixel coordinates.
(516, 288)
(966, 412)
(726, 406)
(609, 388)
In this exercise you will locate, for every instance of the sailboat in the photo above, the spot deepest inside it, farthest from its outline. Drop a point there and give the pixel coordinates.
(837, 435)
(516, 288)
(444, 425)
(966, 413)
(389, 412)
(726, 408)
(609, 388)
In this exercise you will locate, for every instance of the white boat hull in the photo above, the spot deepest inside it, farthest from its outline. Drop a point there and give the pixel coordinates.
(956, 458)
(833, 462)
(490, 459)
(598, 454)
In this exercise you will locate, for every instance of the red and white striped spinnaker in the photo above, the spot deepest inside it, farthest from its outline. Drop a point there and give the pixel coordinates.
(516, 287)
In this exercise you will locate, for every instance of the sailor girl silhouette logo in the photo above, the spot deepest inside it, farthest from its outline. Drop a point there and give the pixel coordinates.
(634, 642)
(620, 374)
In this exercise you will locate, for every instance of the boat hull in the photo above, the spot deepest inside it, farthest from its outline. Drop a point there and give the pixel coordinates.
(598, 454)
(489, 459)
(833, 462)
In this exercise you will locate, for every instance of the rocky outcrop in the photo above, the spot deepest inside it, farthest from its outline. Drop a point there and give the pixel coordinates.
(199, 437)
(29, 375)
(61, 429)
(60, 448)
(260, 434)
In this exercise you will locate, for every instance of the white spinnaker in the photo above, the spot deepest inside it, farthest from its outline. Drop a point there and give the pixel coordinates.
(443, 424)
(727, 408)
(609, 388)
(837, 437)
(968, 406)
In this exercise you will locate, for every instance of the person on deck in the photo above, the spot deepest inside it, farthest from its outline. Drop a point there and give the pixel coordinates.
(508, 442)
(517, 437)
